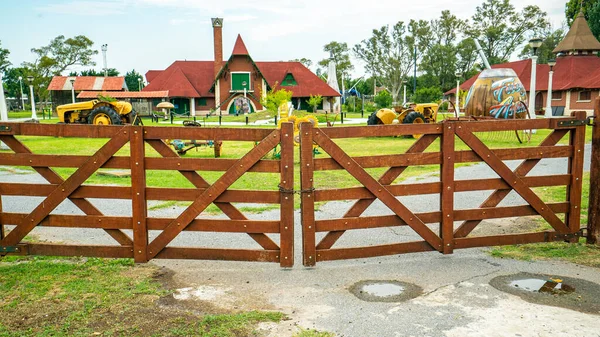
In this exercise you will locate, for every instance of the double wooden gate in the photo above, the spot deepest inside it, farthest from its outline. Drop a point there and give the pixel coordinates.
(442, 228)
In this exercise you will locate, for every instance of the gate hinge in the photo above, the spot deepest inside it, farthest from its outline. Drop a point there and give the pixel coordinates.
(591, 120)
(292, 191)
(561, 237)
(4, 128)
(574, 122)
(10, 249)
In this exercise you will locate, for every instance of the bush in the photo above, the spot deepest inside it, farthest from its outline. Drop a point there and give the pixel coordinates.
(428, 95)
(383, 99)
(370, 107)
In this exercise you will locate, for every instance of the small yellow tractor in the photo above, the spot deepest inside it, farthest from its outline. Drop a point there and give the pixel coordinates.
(415, 114)
(97, 112)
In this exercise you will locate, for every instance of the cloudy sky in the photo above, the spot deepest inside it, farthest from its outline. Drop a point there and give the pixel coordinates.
(151, 34)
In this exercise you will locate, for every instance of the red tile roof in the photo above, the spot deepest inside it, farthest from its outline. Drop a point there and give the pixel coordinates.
(184, 79)
(308, 82)
(87, 83)
(151, 75)
(195, 78)
(125, 94)
(570, 72)
(239, 48)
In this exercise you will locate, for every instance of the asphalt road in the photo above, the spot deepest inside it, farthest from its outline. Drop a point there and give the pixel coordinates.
(456, 301)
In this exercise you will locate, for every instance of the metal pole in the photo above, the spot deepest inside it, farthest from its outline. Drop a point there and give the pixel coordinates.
(104, 48)
(33, 115)
(404, 101)
(22, 96)
(3, 110)
(73, 90)
(548, 113)
(457, 108)
(532, 86)
(593, 226)
(415, 73)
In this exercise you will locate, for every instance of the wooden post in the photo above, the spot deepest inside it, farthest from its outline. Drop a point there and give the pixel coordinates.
(138, 194)
(309, 249)
(286, 230)
(593, 228)
(447, 194)
(1, 223)
(575, 169)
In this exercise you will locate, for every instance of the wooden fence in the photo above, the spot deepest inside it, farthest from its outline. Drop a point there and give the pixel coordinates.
(139, 246)
(447, 237)
(441, 229)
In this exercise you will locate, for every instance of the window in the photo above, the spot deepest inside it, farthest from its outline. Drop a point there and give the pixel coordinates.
(289, 80)
(201, 101)
(557, 95)
(585, 95)
(239, 81)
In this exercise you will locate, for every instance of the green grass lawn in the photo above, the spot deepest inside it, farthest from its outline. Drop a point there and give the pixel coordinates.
(50, 296)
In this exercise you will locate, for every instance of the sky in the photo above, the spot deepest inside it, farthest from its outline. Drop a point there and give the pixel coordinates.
(152, 34)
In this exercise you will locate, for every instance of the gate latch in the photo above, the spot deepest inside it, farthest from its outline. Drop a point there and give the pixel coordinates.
(591, 120)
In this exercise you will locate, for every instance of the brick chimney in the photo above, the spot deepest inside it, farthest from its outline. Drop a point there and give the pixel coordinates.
(217, 24)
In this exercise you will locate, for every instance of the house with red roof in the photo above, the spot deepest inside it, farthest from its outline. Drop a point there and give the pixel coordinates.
(233, 85)
(61, 87)
(575, 77)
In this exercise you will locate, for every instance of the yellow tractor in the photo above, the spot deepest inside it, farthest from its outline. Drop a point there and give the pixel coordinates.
(414, 114)
(97, 112)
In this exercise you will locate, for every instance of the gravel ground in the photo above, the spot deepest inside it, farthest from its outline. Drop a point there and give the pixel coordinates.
(457, 299)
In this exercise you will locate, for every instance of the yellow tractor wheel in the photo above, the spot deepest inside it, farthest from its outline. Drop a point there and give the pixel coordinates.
(104, 115)
(415, 118)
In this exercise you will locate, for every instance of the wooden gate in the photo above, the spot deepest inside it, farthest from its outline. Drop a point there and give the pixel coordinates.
(140, 140)
(444, 228)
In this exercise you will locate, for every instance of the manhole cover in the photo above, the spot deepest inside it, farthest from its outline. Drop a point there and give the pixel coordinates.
(558, 291)
(385, 291)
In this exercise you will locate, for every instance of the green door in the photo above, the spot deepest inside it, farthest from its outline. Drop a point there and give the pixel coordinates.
(239, 81)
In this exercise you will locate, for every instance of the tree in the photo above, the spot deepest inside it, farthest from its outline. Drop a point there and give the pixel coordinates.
(93, 72)
(467, 58)
(306, 62)
(341, 57)
(12, 83)
(550, 39)
(428, 95)
(383, 99)
(275, 97)
(594, 19)
(501, 29)
(314, 101)
(388, 53)
(56, 57)
(132, 80)
(4, 63)
(440, 60)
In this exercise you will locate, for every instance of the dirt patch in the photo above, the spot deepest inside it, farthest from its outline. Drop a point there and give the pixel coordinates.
(584, 298)
(506, 226)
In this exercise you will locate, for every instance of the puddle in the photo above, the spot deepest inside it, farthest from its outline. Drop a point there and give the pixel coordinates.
(385, 291)
(553, 290)
(551, 286)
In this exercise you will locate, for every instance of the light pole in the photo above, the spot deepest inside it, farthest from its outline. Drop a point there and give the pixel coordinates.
(534, 43)
(548, 113)
(32, 99)
(22, 97)
(104, 49)
(139, 84)
(457, 107)
(72, 89)
(404, 101)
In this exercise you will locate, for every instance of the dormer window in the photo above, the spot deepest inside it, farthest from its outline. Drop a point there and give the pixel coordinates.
(289, 80)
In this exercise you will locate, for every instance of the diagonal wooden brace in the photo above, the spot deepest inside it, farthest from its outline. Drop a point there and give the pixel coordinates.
(377, 189)
(211, 193)
(64, 190)
(53, 178)
(386, 179)
(511, 178)
(497, 196)
(228, 209)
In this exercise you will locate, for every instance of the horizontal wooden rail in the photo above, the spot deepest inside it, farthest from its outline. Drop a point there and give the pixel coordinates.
(353, 193)
(372, 251)
(219, 254)
(206, 133)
